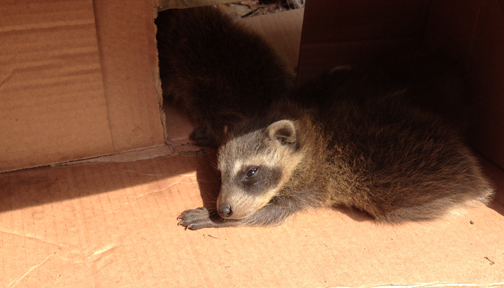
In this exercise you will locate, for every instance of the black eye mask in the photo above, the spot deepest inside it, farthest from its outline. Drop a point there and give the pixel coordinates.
(258, 179)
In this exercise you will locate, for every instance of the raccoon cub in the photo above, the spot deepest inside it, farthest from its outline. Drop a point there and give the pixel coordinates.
(350, 138)
(216, 70)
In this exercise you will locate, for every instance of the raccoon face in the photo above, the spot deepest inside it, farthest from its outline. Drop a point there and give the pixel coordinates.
(254, 167)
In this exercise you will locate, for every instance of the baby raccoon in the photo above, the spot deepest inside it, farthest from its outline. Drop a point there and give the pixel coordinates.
(216, 70)
(347, 139)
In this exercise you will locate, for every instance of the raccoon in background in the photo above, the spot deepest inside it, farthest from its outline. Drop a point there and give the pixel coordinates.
(217, 70)
(384, 139)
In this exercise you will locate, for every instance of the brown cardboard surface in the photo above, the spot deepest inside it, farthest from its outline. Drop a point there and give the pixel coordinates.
(68, 93)
(318, 58)
(127, 41)
(282, 31)
(474, 30)
(52, 104)
(452, 24)
(487, 65)
(351, 21)
(338, 32)
(113, 225)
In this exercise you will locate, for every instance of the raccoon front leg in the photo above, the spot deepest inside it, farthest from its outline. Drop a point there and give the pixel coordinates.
(198, 218)
(269, 215)
(206, 136)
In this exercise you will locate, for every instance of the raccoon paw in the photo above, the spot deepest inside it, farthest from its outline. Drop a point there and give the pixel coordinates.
(201, 137)
(195, 219)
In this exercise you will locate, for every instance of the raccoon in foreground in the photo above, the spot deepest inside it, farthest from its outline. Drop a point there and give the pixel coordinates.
(350, 139)
(216, 70)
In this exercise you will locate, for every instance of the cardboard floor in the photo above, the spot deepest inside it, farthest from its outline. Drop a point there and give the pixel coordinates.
(114, 225)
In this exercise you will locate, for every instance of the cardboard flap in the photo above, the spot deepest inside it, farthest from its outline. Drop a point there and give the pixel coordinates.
(52, 103)
(127, 41)
(64, 95)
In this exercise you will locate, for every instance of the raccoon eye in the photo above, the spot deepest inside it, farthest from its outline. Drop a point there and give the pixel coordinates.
(251, 172)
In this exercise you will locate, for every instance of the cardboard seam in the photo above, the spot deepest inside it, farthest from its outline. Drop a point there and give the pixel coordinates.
(32, 238)
(296, 69)
(96, 159)
(473, 36)
(428, 20)
(45, 26)
(181, 178)
(11, 73)
(106, 157)
(103, 75)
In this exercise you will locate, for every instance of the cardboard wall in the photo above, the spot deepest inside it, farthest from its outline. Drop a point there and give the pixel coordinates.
(474, 30)
(282, 31)
(339, 32)
(69, 92)
(470, 29)
(50, 74)
(127, 41)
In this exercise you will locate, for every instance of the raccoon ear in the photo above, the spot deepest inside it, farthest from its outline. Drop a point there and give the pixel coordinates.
(284, 131)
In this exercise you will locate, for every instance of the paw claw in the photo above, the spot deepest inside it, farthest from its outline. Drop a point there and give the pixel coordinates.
(195, 219)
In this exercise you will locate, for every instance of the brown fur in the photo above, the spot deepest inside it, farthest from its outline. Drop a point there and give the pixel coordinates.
(216, 70)
(356, 142)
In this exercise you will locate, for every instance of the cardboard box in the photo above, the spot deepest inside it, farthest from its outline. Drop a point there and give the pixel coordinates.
(79, 80)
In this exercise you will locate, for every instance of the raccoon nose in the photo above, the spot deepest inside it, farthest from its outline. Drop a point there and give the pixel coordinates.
(225, 210)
